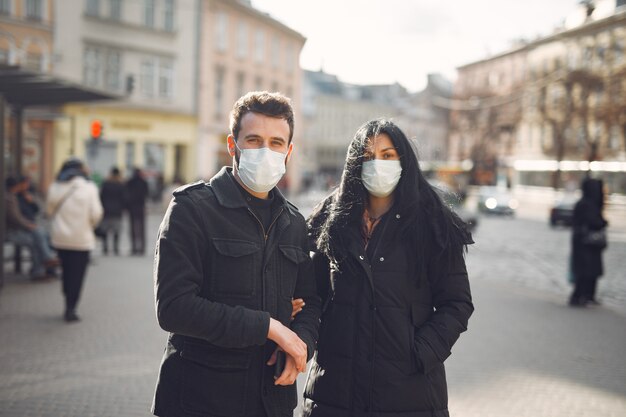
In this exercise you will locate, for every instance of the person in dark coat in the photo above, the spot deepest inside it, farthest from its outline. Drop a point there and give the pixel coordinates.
(113, 197)
(390, 270)
(136, 194)
(231, 255)
(24, 231)
(587, 259)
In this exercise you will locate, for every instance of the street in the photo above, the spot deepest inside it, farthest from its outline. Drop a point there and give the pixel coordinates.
(525, 354)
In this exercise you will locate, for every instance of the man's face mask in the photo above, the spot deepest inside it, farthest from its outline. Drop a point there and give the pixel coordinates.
(260, 169)
(381, 177)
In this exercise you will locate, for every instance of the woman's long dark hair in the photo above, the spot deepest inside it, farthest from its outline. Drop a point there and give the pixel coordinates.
(432, 229)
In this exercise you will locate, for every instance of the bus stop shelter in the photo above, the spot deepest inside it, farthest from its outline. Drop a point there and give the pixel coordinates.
(20, 89)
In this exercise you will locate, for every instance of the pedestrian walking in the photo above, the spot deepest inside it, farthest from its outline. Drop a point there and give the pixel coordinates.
(137, 193)
(231, 255)
(390, 270)
(113, 198)
(74, 207)
(588, 243)
(24, 231)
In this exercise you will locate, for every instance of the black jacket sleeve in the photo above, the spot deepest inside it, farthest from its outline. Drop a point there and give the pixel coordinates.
(452, 301)
(178, 277)
(306, 322)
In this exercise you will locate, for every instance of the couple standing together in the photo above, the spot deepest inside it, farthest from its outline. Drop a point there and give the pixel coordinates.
(378, 306)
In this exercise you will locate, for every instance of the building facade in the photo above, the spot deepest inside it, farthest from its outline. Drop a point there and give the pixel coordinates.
(548, 111)
(333, 111)
(145, 51)
(26, 40)
(243, 50)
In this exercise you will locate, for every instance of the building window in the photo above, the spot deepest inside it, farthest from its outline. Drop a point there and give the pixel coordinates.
(148, 13)
(275, 51)
(289, 59)
(147, 78)
(113, 71)
(166, 79)
(168, 15)
(4, 56)
(221, 31)
(259, 46)
(220, 75)
(618, 51)
(33, 62)
(92, 67)
(34, 9)
(92, 8)
(242, 40)
(115, 9)
(241, 85)
(258, 84)
(5, 7)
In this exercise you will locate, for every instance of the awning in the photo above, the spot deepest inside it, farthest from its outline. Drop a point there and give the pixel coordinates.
(20, 88)
(25, 88)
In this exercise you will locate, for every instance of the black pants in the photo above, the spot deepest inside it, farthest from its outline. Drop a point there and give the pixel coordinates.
(138, 230)
(584, 289)
(74, 266)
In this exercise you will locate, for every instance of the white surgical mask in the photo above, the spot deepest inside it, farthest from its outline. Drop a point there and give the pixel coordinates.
(381, 177)
(260, 169)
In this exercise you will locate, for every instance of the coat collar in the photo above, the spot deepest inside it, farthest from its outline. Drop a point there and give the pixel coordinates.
(228, 195)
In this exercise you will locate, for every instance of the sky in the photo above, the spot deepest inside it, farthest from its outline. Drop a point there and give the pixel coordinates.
(387, 41)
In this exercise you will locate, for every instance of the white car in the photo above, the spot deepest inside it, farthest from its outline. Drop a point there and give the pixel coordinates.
(496, 200)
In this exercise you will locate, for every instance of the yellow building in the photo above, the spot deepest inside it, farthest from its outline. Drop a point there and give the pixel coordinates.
(159, 143)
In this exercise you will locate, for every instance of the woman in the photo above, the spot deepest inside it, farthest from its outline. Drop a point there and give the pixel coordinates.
(586, 255)
(390, 267)
(74, 207)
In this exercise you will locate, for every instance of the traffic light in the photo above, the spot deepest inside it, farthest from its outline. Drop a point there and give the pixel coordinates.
(96, 129)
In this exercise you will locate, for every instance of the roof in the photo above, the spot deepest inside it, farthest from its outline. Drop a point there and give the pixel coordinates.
(27, 88)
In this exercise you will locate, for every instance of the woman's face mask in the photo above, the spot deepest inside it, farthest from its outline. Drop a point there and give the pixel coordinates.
(260, 169)
(381, 177)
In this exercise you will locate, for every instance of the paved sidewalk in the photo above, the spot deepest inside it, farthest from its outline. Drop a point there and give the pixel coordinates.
(526, 353)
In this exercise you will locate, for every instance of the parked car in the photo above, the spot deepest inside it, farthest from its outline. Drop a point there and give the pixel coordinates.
(496, 200)
(454, 201)
(562, 212)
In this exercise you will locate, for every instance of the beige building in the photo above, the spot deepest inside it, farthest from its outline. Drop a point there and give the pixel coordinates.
(485, 112)
(333, 111)
(26, 40)
(549, 110)
(243, 50)
(145, 51)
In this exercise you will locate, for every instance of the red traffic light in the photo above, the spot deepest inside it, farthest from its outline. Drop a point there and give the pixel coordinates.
(96, 129)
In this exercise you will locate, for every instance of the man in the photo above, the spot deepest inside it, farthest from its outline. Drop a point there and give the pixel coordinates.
(23, 231)
(112, 196)
(231, 255)
(137, 193)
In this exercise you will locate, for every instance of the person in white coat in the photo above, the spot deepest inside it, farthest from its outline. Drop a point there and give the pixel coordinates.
(74, 207)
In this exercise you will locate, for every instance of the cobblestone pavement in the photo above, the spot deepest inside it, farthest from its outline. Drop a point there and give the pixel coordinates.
(525, 354)
(529, 253)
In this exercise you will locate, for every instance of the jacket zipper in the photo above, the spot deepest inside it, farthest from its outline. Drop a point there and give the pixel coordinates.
(265, 236)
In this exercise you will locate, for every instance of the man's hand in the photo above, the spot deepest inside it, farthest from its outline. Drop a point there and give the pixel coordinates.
(290, 343)
(296, 306)
(290, 373)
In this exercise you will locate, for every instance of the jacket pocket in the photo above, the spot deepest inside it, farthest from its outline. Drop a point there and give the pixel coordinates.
(233, 265)
(293, 256)
(420, 313)
(214, 380)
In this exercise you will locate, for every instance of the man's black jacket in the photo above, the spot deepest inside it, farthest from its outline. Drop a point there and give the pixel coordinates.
(219, 277)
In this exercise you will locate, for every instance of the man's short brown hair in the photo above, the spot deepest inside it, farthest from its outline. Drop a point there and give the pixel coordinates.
(262, 102)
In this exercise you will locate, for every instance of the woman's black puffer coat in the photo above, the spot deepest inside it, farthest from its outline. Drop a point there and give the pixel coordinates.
(385, 332)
